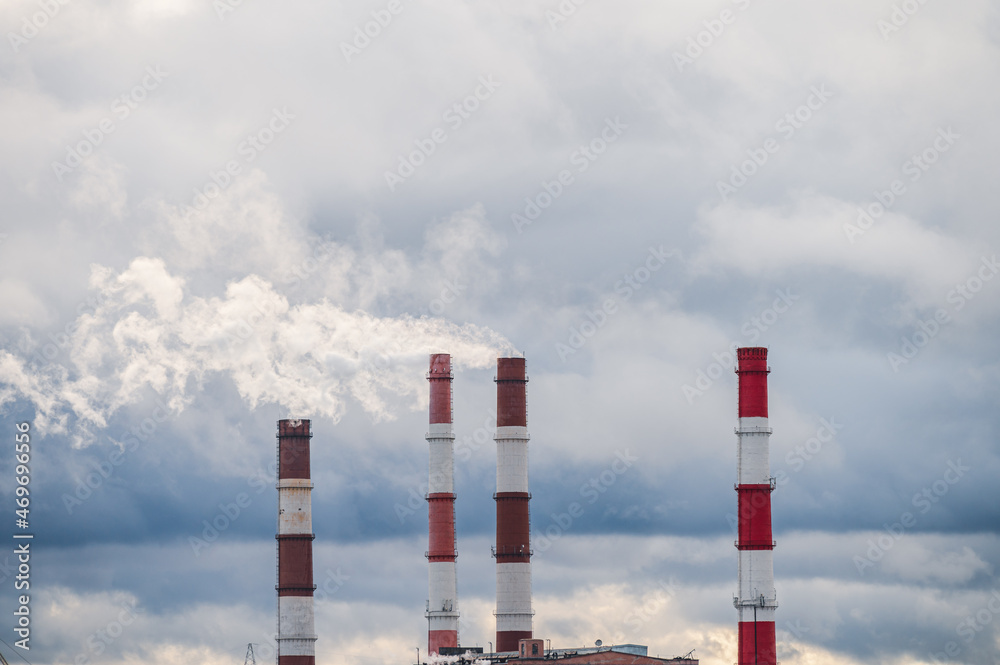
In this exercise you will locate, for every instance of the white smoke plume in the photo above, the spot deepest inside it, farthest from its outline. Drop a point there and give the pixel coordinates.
(467, 657)
(149, 330)
(308, 358)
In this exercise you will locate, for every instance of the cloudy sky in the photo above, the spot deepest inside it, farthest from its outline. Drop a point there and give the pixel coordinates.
(220, 213)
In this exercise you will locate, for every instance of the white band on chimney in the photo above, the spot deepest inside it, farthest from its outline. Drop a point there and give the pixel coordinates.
(514, 593)
(756, 576)
(298, 636)
(294, 510)
(754, 613)
(512, 459)
(443, 592)
(442, 467)
(440, 431)
(754, 436)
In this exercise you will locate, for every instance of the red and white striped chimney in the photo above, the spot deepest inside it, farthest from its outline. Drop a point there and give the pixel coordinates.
(513, 549)
(757, 599)
(442, 603)
(296, 627)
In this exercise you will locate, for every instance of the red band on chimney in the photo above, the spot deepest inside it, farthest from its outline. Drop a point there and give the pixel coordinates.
(441, 638)
(293, 449)
(755, 517)
(512, 410)
(440, 379)
(297, 660)
(757, 643)
(441, 507)
(513, 521)
(295, 565)
(752, 370)
(508, 640)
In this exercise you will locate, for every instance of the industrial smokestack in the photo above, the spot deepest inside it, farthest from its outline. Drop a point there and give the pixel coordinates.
(296, 627)
(442, 603)
(513, 549)
(757, 599)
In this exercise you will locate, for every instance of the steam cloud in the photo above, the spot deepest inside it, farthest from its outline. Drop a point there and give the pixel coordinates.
(308, 358)
(311, 357)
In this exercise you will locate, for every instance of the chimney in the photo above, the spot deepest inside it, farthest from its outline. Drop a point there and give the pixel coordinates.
(296, 627)
(442, 604)
(757, 599)
(513, 549)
